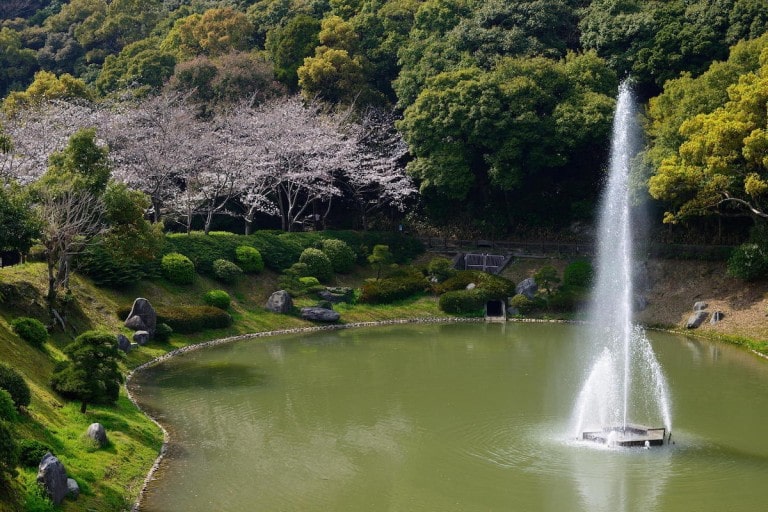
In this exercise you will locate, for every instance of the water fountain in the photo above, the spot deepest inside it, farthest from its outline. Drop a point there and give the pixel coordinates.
(625, 390)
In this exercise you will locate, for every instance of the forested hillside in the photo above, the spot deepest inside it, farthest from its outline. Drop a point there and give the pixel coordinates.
(487, 115)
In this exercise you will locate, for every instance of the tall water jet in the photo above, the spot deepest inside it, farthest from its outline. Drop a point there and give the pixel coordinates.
(625, 386)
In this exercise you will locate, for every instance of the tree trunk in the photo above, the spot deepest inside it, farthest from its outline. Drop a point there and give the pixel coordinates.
(248, 226)
(83, 406)
(208, 220)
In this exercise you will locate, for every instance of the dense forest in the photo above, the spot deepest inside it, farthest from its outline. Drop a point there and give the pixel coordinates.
(483, 115)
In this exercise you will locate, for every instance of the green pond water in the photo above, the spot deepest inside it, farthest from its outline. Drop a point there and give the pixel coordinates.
(446, 417)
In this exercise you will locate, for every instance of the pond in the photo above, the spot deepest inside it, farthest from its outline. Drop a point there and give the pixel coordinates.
(445, 417)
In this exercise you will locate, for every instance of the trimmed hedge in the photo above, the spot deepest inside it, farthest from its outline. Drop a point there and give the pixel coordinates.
(190, 319)
(578, 274)
(384, 291)
(178, 268)
(249, 259)
(163, 332)
(217, 298)
(30, 330)
(279, 252)
(226, 271)
(204, 249)
(497, 287)
(464, 302)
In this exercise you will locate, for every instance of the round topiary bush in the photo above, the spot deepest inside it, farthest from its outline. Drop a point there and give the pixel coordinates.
(163, 332)
(7, 408)
(440, 268)
(217, 298)
(578, 274)
(30, 330)
(522, 303)
(14, 383)
(318, 264)
(340, 254)
(249, 259)
(177, 268)
(226, 271)
(463, 302)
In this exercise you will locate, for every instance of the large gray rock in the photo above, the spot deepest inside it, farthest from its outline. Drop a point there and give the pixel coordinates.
(319, 314)
(53, 477)
(141, 337)
(280, 302)
(700, 306)
(135, 323)
(696, 319)
(527, 287)
(716, 317)
(144, 310)
(97, 432)
(123, 343)
(73, 490)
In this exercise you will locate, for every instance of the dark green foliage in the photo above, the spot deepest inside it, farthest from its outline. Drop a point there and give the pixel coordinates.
(7, 407)
(30, 330)
(522, 303)
(8, 451)
(340, 254)
(547, 277)
(91, 374)
(379, 257)
(748, 262)
(318, 264)
(190, 319)
(14, 383)
(105, 268)
(297, 281)
(31, 452)
(578, 274)
(178, 269)
(463, 302)
(217, 298)
(204, 249)
(18, 225)
(163, 332)
(278, 252)
(290, 44)
(249, 259)
(226, 271)
(385, 291)
(440, 268)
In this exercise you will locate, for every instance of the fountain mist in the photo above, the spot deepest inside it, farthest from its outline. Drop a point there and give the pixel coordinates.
(625, 384)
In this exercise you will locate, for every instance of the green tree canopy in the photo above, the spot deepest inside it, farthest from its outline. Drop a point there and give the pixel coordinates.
(141, 65)
(290, 45)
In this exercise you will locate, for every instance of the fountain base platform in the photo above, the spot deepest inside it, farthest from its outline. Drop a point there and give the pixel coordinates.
(628, 436)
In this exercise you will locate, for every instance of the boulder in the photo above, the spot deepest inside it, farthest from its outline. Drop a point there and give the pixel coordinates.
(73, 490)
(144, 310)
(696, 319)
(335, 294)
(280, 302)
(471, 286)
(53, 477)
(316, 314)
(527, 287)
(716, 317)
(141, 337)
(135, 323)
(700, 306)
(123, 343)
(97, 432)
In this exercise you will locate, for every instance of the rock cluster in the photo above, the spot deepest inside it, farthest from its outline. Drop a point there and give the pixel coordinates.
(52, 476)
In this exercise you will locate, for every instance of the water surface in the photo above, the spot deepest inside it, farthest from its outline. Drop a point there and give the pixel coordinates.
(453, 417)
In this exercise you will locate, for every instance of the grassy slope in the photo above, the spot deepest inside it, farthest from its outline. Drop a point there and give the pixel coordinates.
(110, 479)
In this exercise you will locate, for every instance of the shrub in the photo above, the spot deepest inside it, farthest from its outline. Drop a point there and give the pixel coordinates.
(278, 253)
(163, 332)
(464, 302)
(440, 268)
(14, 383)
(30, 330)
(204, 249)
(342, 256)
(748, 262)
(522, 303)
(8, 451)
(107, 269)
(384, 291)
(7, 408)
(190, 319)
(178, 269)
(217, 298)
(497, 287)
(249, 259)
(578, 274)
(309, 281)
(31, 452)
(226, 271)
(318, 264)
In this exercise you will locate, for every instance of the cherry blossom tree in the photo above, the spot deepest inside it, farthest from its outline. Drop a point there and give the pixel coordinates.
(375, 176)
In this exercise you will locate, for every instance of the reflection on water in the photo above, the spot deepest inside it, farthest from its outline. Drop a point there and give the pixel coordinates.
(455, 418)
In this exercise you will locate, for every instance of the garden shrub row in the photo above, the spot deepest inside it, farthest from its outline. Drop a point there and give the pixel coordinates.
(464, 302)
(497, 287)
(390, 289)
(187, 319)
